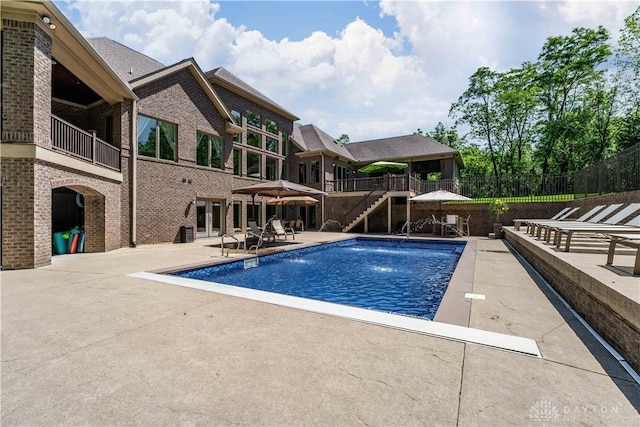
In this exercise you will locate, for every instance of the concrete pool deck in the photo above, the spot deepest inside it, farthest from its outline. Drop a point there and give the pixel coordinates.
(84, 343)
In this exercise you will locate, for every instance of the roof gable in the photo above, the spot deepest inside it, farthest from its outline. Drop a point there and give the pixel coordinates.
(192, 66)
(315, 140)
(228, 80)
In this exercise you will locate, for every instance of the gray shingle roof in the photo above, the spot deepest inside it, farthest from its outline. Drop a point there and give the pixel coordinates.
(224, 75)
(314, 139)
(126, 62)
(398, 147)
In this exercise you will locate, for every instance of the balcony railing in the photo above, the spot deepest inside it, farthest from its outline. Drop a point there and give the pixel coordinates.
(83, 145)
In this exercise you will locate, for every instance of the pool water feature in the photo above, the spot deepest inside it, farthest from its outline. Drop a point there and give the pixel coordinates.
(407, 277)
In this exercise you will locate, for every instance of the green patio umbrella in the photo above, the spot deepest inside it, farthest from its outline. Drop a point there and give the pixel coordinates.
(383, 167)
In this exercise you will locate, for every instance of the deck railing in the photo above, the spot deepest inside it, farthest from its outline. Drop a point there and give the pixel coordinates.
(82, 144)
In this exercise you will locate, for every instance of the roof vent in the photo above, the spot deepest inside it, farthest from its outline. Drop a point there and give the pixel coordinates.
(130, 70)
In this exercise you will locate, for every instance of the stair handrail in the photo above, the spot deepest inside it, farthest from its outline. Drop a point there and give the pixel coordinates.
(349, 216)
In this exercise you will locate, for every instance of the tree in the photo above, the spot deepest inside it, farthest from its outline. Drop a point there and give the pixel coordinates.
(476, 108)
(517, 104)
(343, 139)
(628, 63)
(566, 67)
(448, 137)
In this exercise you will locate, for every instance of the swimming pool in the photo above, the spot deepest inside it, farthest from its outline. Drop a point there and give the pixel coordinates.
(406, 277)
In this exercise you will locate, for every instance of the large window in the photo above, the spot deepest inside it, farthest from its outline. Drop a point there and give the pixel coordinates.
(238, 119)
(254, 139)
(285, 144)
(272, 169)
(271, 126)
(254, 119)
(157, 138)
(209, 150)
(315, 172)
(285, 170)
(237, 162)
(272, 144)
(302, 173)
(254, 165)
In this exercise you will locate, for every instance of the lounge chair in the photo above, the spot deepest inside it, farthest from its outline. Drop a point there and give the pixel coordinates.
(594, 215)
(629, 240)
(280, 230)
(256, 237)
(564, 213)
(609, 227)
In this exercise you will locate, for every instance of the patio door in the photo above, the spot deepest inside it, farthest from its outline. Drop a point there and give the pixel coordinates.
(209, 218)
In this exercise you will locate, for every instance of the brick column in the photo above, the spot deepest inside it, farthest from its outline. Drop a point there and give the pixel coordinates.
(26, 80)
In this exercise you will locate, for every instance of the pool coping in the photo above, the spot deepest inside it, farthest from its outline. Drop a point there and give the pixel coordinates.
(454, 309)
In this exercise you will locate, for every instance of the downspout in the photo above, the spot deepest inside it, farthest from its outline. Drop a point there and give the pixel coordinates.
(134, 173)
(324, 181)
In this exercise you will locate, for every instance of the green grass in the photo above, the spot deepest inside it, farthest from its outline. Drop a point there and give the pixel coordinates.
(523, 199)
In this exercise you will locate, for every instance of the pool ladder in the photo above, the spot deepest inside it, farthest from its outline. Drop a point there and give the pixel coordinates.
(222, 243)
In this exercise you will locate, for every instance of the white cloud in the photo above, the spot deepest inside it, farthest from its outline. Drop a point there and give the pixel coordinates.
(358, 81)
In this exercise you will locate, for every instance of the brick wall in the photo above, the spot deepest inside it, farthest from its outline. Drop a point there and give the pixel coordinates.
(481, 220)
(163, 202)
(17, 213)
(74, 114)
(26, 77)
(96, 120)
(26, 211)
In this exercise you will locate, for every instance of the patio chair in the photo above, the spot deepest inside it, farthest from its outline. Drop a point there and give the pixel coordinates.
(629, 240)
(299, 225)
(564, 213)
(279, 230)
(256, 237)
(630, 227)
(464, 226)
(450, 226)
(595, 214)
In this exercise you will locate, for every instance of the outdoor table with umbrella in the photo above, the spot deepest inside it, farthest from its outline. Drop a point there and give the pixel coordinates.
(293, 201)
(439, 196)
(279, 188)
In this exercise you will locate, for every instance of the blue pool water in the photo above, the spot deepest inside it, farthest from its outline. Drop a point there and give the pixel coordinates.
(403, 277)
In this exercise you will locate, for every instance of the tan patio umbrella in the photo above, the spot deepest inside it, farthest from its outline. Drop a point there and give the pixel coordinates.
(279, 188)
(293, 200)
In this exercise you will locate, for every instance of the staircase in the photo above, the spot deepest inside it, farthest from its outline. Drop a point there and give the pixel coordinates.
(372, 207)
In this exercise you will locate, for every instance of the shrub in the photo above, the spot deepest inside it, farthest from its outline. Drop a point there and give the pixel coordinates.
(498, 207)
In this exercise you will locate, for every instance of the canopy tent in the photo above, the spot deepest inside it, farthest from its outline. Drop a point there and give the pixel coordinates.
(383, 167)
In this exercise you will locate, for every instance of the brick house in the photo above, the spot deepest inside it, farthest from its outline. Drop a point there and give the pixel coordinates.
(98, 136)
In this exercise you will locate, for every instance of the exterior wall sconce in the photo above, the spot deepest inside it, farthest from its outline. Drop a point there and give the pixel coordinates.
(48, 22)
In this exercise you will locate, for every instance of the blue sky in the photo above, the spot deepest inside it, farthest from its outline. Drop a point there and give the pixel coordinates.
(367, 69)
(295, 20)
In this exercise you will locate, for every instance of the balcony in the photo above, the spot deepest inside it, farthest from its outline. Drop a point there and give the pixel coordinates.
(83, 145)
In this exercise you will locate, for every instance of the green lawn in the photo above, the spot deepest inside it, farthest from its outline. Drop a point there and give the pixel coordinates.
(524, 199)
